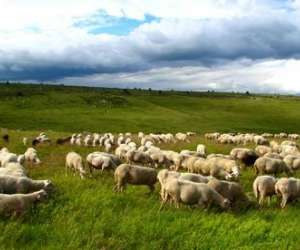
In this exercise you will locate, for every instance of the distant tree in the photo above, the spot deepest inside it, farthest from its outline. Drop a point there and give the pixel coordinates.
(149, 89)
(7, 83)
(159, 92)
(126, 91)
(19, 94)
(247, 93)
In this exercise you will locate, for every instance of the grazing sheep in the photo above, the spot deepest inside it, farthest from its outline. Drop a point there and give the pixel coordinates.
(18, 204)
(194, 177)
(192, 163)
(292, 161)
(23, 185)
(108, 146)
(214, 167)
(73, 139)
(135, 175)
(231, 190)
(191, 153)
(122, 150)
(294, 136)
(165, 174)
(244, 155)
(273, 155)
(265, 165)
(201, 148)
(62, 141)
(218, 155)
(6, 157)
(267, 135)
(228, 165)
(263, 187)
(182, 137)
(289, 143)
(78, 140)
(31, 156)
(102, 162)
(281, 135)
(276, 148)
(174, 157)
(260, 140)
(13, 169)
(288, 189)
(261, 150)
(288, 150)
(75, 163)
(192, 193)
(133, 156)
(159, 159)
(88, 140)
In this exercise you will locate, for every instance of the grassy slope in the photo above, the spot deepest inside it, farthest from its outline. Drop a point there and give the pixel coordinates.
(77, 109)
(87, 214)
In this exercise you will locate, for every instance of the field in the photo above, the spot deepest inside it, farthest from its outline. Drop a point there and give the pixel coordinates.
(87, 214)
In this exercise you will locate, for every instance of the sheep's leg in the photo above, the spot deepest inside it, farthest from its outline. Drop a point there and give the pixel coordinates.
(163, 202)
(284, 201)
(261, 199)
(269, 200)
(162, 193)
(115, 189)
(90, 169)
(200, 203)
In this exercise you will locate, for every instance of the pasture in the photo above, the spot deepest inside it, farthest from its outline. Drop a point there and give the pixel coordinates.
(87, 214)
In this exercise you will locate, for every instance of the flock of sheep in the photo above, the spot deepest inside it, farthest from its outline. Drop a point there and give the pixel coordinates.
(18, 192)
(189, 177)
(193, 177)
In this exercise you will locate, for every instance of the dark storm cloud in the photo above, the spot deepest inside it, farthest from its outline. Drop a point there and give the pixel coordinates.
(167, 43)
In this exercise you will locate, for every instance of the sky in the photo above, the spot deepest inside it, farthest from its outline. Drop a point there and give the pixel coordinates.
(221, 45)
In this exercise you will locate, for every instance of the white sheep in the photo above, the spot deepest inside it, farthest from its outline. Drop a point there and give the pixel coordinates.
(17, 204)
(13, 169)
(201, 148)
(31, 156)
(75, 163)
(192, 193)
(288, 189)
(263, 187)
(13, 185)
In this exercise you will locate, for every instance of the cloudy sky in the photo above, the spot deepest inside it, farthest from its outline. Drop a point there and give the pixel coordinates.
(225, 45)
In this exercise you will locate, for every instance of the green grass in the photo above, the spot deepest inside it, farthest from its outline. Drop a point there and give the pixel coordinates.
(76, 109)
(86, 214)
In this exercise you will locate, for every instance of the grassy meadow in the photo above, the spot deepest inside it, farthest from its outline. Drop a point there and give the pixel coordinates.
(87, 214)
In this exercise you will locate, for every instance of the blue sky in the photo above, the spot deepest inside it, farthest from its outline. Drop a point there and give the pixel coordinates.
(101, 22)
(226, 45)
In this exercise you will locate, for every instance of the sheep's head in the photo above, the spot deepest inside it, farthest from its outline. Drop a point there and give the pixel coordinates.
(226, 204)
(48, 186)
(41, 195)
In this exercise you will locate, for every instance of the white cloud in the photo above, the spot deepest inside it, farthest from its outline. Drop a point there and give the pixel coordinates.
(265, 76)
